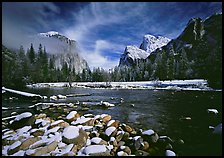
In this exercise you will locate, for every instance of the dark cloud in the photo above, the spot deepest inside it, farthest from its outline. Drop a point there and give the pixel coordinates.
(21, 20)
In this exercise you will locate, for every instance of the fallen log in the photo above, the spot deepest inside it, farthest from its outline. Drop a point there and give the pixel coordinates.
(23, 94)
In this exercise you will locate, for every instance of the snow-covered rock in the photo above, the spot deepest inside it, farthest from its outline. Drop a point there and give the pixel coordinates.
(83, 120)
(148, 132)
(14, 147)
(96, 150)
(214, 111)
(23, 115)
(110, 130)
(107, 104)
(75, 135)
(21, 120)
(72, 116)
(170, 153)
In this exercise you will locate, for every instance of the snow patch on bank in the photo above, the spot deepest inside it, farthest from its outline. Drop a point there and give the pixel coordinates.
(194, 84)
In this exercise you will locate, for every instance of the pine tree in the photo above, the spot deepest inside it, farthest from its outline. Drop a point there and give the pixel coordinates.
(31, 54)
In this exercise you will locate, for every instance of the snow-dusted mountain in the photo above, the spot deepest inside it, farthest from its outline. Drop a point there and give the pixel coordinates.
(64, 49)
(131, 54)
(150, 43)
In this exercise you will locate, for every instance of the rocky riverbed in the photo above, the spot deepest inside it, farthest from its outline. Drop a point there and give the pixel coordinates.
(64, 129)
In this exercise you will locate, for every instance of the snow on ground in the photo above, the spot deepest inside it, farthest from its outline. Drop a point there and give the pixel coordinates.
(194, 84)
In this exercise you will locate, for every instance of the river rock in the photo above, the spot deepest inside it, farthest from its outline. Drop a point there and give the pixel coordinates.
(74, 149)
(46, 149)
(25, 145)
(121, 143)
(41, 116)
(84, 121)
(138, 141)
(39, 132)
(126, 128)
(74, 135)
(114, 123)
(59, 123)
(126, 136)
(111, 131)
(122, 153)
(96, 150)
(14, 147)
(72, 116)
(105, 118)
(23, 119)
(170, 153)
(119, 135)
(141, 153)
(126, 149)
(145, 146)
(150, 136)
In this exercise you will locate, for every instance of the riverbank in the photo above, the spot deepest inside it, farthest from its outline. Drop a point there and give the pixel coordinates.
(194, 84)
(61, 130)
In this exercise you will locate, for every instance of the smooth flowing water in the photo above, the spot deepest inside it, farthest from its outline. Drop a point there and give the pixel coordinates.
(160, 110)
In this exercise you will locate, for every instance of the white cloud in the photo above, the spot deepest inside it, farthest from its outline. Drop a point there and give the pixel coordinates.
(97, 15)
(96, 58)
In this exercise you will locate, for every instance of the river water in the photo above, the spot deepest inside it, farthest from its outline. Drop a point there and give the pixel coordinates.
(159, 110)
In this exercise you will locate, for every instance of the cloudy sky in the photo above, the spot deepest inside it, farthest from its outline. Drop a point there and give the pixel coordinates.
(102, 29)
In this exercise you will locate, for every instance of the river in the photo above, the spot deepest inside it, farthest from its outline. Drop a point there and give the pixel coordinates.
(159, 110)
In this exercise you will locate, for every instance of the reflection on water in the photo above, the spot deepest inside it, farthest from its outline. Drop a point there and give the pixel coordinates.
(159, 110)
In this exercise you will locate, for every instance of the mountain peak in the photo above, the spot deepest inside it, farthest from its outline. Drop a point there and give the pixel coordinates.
(49, 33)
(151, 42)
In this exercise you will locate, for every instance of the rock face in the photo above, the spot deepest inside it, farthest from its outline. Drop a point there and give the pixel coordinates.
(66, 50)
(149, 44)
(199, 48)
